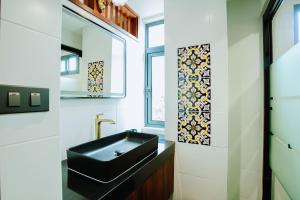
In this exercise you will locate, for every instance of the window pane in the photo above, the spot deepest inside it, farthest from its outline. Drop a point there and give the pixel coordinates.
(63, 66)
(298, 26)
(156, 35)
(72, 64)
(158, 88)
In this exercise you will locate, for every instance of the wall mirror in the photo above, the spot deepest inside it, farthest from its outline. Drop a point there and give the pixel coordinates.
(93, 60)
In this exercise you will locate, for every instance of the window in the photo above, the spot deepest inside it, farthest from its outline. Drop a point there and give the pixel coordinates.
(155, 75)
(297, 23)
(69, 64)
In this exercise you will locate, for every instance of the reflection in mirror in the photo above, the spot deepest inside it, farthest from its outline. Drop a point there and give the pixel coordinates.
(92, 60)
(285, 27)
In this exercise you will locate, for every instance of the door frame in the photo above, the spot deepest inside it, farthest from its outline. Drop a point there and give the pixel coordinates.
(268, 16)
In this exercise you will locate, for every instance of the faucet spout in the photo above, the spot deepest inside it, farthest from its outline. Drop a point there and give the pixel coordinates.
(98, 121)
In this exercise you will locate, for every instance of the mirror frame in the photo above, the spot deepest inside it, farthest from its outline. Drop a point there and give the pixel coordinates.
(114, 95)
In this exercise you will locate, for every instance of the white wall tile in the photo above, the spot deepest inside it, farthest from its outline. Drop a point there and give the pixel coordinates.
(131, 109)
(219, 76)
(40, 15)
(245, 99)
(210, 21)
(202, 170)
(202, 161)
(31, 171)
(29, 58)
(177, 179)
(251, 105)
(194, 188)
(219, 125)
(251, 146)
(249, 182)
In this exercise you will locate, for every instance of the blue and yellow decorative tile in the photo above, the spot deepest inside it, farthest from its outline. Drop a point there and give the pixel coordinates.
(194, 94)
(95, 78)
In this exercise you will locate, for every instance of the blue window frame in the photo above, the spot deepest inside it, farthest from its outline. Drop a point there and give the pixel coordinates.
(296, 23)
(69, 64)
(154, 74)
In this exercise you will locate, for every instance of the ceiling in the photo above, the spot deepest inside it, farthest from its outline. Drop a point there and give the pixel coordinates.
(147, 8)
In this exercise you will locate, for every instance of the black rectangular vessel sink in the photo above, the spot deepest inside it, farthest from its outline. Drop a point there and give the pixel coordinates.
(107, 158)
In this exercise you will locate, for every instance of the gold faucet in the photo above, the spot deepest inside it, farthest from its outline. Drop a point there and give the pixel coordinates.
(98, 121)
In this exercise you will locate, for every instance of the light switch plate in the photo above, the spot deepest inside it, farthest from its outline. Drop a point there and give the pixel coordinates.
(14, 99)
(22, 99)
(35, 99)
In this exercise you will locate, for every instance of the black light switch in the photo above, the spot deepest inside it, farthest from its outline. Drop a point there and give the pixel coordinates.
(14, 99)
(20, 99)
(35, 99)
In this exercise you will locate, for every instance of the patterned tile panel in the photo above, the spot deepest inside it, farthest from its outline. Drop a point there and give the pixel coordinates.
(95, 78)
(194, 94)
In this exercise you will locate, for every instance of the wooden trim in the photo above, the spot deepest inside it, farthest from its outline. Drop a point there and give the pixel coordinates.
(129, 23)
(112, 15)
(120, 17)
(112, 7)
(106, 9)
(116, 15)
(268, 16)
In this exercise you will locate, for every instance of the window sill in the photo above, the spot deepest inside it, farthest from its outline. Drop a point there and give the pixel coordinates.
(152, 130)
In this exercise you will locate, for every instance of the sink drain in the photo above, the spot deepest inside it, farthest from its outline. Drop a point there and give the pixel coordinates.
(118, 153)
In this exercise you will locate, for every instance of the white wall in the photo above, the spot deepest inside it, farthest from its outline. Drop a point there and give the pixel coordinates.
(200, 171)
(96, 46)
(71, 39)
(283, 28)
(245, 100)
(77, 116)
(29, 143)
